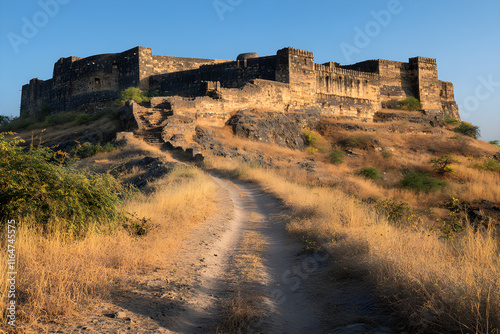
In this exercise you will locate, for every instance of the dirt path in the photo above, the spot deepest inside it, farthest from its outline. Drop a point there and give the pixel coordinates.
(186, 296)
(289, 310)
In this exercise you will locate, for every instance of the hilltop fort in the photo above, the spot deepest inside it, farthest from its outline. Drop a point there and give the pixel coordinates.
(287, 81)
(208, 92)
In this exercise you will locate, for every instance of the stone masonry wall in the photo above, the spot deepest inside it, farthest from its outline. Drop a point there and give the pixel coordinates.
(288, 81)
(265, 96)
(234, 74)
(429, 86)
(417, 78)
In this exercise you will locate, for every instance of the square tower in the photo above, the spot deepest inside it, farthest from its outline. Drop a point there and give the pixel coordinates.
(296, 67)
(427, 84)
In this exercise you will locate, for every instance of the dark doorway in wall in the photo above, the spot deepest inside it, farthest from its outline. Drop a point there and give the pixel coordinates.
(97, 84)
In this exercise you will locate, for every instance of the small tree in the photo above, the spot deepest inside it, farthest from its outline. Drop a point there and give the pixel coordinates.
(442, 165)
(312, 138)
(132, 93)
(314, 141)
(5, 120)
(336, 157)
(467, 129)
(410, 103)
(494, 142)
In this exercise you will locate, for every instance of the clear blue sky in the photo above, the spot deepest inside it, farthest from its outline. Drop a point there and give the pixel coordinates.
(464, 36)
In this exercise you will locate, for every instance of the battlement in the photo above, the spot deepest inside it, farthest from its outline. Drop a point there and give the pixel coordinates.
(67, 60)
(431, 61)
(357, 89)
(296, 52)
(346, 72)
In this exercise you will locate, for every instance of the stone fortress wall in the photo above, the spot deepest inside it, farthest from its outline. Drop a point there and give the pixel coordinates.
(212, 89)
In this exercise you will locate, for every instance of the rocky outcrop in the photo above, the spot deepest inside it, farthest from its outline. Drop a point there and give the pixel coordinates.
(281, 129)
(496, 156)
(178, 131)
(149, 169)
(127, 118)
(418, 117)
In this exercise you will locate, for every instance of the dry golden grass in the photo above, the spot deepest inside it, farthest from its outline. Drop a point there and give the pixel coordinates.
(58, 132)
(243, 307)
(438, 285)
(475, 184)
(226, 137)
(57, 275)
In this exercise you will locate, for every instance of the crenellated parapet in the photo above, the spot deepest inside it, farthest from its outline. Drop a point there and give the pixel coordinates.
(346, 72)
(416, 60)
(357, 89)
(296, 52)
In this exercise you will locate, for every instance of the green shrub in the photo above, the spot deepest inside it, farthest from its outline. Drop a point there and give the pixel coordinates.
(83, 119)
(489, 164)
(137, 227)
(396, 212)
(387, 154)
(315, 142)
(370, 173)
(16, 123)
(88, 149)
(336, 157)
(421, 182)
(87, 118)
(362, 141)
(5, 120)
(43, 111)
(494, 142)
(60, 118)
(310, 246)
(312, 138)
(410, 103)
(467, 129)
(442, 165)
(132, 93)
(311, 150)
(33, 187)
(450, 120)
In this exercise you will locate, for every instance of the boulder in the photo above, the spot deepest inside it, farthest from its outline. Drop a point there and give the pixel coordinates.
(496, 156)
(178, 125)
(126, 117)
(269, 128)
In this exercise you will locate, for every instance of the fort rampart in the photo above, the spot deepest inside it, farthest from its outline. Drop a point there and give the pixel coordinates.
(285, 82)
